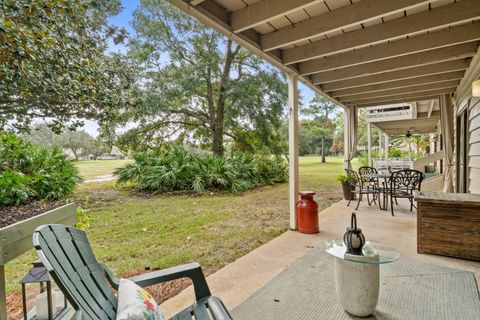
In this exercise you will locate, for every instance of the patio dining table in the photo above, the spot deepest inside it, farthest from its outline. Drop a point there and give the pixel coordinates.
(384, 191)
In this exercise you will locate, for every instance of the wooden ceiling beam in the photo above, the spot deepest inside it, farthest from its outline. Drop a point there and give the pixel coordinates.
(344, 17)
(264, 10)
(396, 91)
(404, 62)
(434, 78)
(411, 73)
(402, 97)
(196, 2)
(452, 36)
(461, 11)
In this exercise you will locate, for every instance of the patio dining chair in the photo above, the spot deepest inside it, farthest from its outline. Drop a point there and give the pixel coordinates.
(87, 284)
(402, 185)
(359, 189)
(369, 182)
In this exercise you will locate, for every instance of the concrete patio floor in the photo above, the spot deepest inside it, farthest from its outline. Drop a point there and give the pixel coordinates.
(237, 281)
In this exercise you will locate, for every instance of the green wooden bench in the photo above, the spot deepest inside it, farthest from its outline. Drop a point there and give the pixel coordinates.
(87, 284)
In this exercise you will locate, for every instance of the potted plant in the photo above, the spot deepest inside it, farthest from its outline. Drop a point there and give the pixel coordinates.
(347, 187)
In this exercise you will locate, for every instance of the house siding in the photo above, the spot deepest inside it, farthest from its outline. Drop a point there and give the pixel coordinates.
(474, 146)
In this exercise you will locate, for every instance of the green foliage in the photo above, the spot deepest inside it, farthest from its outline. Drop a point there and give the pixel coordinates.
(178, 169)
(83, 219)
(27, 171)
(394, 152)
(316, 135)
(343, 178)
(53, 63)
(73, 140)
(198, 87)
(14, 188)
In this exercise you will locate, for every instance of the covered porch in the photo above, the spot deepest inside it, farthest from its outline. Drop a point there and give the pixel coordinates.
(360, 54)
(239, 280)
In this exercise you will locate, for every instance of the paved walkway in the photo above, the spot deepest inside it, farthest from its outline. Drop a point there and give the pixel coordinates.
(237, 281)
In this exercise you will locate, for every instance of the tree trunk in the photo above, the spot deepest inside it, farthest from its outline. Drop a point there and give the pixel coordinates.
(323, 149)
(219, 112)
(74, 151)
(217, 141)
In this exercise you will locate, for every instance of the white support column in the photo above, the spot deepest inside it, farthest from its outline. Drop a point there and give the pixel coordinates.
(432, 143)
(293, 180)
(369, 143)
(380, 143)
(346, 138)
(387, 142)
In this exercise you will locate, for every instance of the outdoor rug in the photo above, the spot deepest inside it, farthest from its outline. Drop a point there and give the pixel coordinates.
(408, 290)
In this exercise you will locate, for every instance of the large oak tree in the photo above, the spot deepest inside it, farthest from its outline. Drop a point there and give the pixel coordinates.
(196, 85)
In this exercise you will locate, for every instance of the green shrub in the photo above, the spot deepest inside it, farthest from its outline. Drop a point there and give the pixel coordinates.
(178, 169)
(394, 152)
(343, 178)
(27, 171)
(14, 188)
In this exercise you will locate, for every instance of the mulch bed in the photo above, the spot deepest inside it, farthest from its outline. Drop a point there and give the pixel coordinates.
(10, 215)
(161, 292)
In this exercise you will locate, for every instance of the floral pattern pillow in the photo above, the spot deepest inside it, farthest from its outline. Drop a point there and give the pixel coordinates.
(134, 303)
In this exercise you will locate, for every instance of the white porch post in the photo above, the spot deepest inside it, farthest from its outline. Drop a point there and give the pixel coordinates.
(346, 138)
(446, 125)
(293, 180)
(387, 142)
(380, 143)
(369, 143)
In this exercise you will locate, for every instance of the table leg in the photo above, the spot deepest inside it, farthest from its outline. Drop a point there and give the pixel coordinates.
(357, 286)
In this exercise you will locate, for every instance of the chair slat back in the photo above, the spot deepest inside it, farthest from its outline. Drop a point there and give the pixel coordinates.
(68, 256)
(407, 179)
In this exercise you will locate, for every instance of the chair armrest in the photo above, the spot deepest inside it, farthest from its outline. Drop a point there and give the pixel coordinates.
(114, 282)
(190, 270)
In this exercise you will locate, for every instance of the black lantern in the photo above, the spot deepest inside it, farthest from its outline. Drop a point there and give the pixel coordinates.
(354, 238)
(39, 274)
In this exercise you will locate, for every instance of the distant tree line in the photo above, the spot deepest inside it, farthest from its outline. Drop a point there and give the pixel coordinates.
(79, 142)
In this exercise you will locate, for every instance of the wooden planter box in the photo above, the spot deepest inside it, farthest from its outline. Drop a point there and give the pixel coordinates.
(16, 239)
(448, 224)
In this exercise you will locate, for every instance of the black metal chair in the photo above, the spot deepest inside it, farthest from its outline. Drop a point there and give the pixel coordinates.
(370, 183)
(357, 187)
(402, 185)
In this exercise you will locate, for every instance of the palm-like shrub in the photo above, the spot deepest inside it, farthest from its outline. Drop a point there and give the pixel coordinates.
(27, 171)
(178, 169)
(14, 188)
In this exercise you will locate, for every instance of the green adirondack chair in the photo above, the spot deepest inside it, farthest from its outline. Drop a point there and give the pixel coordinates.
(87, 284)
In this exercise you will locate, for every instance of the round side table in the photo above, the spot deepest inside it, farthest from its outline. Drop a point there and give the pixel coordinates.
(357, 277)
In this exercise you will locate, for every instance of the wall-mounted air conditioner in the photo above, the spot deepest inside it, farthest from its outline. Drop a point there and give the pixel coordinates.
(391, 112)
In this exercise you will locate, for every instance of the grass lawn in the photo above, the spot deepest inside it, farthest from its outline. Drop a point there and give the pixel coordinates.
(97, 168)
(129, 230)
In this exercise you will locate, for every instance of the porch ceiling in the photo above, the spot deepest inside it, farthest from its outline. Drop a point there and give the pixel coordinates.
(355, 52)
(428, 118)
